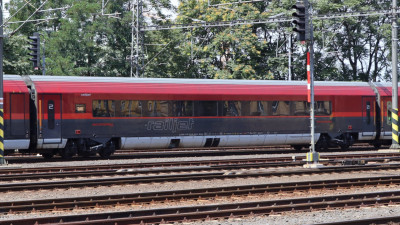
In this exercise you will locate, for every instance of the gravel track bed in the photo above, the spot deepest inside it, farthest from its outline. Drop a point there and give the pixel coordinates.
(284, 218)
(122, 189)
(309, 217)
(289, 218)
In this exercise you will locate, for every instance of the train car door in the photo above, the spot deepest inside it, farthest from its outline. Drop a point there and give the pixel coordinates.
(18, 124)
(50, 118)
(368, 116)
(386, 115)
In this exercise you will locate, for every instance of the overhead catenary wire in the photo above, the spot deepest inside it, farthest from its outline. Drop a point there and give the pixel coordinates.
(7, 21)
(281, 19)
(12, 33)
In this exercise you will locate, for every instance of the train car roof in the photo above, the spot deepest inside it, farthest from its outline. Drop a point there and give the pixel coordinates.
(14, 84)
(191, 87)
(384, 88)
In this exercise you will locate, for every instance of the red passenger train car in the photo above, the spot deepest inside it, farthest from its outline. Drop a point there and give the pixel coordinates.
(87, 115)
(16, 113)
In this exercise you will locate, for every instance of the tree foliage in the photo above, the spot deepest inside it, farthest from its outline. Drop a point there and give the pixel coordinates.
(81, 38)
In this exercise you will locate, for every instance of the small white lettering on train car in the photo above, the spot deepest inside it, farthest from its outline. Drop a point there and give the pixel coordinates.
(170, 124)
(86, 95)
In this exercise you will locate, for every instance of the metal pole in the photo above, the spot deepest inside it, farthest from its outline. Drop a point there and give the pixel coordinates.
(312, 113)
(137, 38)
(43, 58)
(313, 154)
(2, 161)
(395, 118)
(290, 58)
(133, 35)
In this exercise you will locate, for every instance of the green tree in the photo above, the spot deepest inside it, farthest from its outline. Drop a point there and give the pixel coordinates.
(352, 48)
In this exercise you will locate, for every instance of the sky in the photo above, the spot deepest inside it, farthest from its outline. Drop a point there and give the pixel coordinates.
(5, 13)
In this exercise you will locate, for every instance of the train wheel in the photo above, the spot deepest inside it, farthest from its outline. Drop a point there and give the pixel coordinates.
(107, 151)
(69, 150)
(105, 154)
(47, 155)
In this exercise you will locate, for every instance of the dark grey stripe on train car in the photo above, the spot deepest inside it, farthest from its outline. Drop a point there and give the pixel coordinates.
(207, 126)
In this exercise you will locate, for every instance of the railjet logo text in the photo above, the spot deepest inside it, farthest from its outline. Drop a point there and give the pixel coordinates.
(170, 124)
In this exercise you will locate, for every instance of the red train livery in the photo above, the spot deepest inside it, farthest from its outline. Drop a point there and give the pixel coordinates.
(88, 115)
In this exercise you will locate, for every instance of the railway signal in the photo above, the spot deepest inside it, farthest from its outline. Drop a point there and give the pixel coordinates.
(35, 50)
(300, 20)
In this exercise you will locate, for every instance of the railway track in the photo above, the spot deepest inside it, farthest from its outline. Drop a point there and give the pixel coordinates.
(169, 168)
(271, 162)
(185, 152)
(124, 172)
(7, 187)
(222, 211)
(69, 204)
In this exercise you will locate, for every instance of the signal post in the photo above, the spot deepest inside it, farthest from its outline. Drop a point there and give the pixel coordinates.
(35, 50)
(2, 160)
(304, 30)
(395, 113)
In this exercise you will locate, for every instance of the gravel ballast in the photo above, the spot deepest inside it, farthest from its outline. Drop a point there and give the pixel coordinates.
(286, 218)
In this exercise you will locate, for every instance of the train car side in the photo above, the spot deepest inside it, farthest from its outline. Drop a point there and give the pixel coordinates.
(89, 115)
(16, 115)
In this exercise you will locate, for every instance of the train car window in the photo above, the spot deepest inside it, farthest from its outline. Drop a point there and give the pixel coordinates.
(178, 108)
(267, 108)
(254, 108)
(368, 110)
(389, 113)
(131, 108)
(207, 108)
(162, 108)
(181, 108)
(155, 108)
(148, 109)
(322, 108)
(103, 108)
(245, 108)
(188, 108)
(232, 108)
(257, 108)
(280, 108)
(80, 108)
(300, 108)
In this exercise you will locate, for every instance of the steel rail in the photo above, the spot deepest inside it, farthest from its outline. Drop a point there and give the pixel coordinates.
(180, 195)
(125, 154)
(8, 187)
(367, 157)
(124, 172)
(218, 211)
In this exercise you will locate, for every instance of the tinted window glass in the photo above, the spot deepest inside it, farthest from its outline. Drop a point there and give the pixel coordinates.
(103, 108)
(206, 108)
(80, 108)
(232, 108)
(301, 108)
(281, 108)
(131, 108)
(322, 108)
(181, 108)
